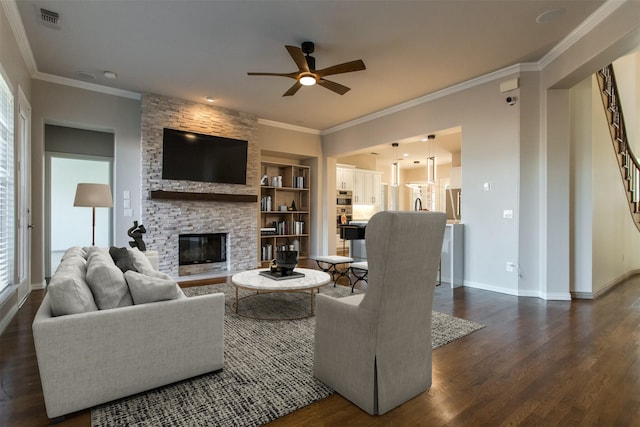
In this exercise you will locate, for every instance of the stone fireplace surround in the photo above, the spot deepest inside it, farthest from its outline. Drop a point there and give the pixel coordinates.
(166, 219)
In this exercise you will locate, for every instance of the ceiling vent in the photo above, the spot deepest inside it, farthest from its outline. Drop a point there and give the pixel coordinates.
(49, 18)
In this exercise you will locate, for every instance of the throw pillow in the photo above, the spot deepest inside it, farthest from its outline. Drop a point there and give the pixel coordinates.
(145, 289)
(107, 284)
(140, 261)
(122, 258)
(69, 294)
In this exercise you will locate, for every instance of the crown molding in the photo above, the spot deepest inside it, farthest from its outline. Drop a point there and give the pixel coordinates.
(580, 31)
(87, 86)
(505, 72)
(15, 22)
(288, 126)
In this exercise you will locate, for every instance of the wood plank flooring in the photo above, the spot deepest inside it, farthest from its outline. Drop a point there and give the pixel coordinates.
(537, 363)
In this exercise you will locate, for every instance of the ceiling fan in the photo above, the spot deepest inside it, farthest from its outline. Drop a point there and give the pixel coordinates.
(307, 75)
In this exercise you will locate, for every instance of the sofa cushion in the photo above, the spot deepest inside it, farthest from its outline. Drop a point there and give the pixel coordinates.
(73, 263)
(145, 289)
(107, 282)
(122, 259)
(69, 293)
(140, 261)
(74, 251)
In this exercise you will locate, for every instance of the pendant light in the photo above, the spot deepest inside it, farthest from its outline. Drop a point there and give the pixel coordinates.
(395, 167)
(431, 160)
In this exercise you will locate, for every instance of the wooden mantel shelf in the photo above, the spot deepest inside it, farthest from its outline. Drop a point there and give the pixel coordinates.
(202, 197)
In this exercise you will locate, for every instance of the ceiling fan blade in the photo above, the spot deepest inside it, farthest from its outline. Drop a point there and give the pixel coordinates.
(346, 67)
(333, 86)
(298, 57)
(290, 75)
(293, 89)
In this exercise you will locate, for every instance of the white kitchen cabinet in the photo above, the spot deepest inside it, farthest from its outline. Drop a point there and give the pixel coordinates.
(344, 178)
(366, 189)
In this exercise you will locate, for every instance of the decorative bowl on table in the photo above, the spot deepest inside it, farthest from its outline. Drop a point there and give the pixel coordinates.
(286, 261)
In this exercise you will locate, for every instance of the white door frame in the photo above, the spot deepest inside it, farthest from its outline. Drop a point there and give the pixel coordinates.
(23, 198)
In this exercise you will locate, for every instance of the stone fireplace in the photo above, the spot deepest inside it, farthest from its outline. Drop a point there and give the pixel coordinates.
(168, 218)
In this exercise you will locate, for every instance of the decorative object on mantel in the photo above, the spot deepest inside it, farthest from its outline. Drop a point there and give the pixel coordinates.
(136, 233)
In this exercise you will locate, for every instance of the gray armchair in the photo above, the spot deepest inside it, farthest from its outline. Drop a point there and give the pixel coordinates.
(375, 348)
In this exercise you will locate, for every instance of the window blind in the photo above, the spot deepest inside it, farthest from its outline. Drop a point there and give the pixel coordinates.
(6, 186)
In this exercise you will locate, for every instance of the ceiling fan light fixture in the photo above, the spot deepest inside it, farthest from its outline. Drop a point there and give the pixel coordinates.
(307, 80)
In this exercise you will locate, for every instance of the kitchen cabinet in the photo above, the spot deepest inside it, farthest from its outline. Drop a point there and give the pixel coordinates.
(344, 178)
(366, 189)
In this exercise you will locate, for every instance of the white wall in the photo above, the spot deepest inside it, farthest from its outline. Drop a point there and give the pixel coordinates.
(606, 243)
(68, 106)
(490, 153)
(582, 184)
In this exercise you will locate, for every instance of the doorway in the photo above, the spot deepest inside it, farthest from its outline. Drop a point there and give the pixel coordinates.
(68, 225)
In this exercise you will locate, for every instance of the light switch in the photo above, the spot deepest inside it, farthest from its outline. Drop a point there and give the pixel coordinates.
(507, 213)
(126, 195)
(486, 186)
(127, 204)
(128, 212)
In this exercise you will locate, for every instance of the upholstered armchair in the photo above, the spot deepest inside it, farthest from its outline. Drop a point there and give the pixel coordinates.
(375, 348)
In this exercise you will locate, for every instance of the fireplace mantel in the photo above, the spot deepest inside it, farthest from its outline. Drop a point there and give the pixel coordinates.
(202, 197)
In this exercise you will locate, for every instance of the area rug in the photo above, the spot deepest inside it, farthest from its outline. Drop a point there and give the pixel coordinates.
(268, 370)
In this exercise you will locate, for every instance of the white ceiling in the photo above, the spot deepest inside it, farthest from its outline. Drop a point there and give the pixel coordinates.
(191, 49)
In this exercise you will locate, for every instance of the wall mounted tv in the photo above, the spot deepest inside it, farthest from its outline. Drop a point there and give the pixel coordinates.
(192, 156)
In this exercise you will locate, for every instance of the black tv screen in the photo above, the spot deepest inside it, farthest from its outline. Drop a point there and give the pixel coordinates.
(192, 156)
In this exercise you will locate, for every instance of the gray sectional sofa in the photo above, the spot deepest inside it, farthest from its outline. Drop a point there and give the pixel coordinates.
(103, 334)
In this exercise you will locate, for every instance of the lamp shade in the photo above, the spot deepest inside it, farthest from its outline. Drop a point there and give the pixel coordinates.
(93, 196)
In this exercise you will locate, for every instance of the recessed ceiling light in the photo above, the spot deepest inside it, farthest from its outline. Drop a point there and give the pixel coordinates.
(550, 15)
(405, 154)
(110, 74)
(209, 98)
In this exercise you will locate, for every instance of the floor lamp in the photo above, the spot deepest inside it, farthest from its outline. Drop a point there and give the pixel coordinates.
(93, 196)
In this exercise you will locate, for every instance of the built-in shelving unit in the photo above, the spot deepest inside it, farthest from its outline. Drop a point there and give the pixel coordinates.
(284, 209)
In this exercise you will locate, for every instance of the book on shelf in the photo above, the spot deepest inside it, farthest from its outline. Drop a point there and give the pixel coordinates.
(267, 231)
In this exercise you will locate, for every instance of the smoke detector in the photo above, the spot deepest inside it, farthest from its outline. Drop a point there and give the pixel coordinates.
(50, 19)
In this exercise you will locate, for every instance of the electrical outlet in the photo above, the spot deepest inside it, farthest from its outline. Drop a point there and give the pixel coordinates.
(511, 267)
(507, 213)
(486, 186)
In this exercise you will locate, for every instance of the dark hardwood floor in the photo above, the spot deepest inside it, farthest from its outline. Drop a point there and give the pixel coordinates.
(537, 363)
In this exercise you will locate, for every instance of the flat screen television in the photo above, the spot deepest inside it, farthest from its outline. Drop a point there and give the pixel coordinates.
(192, 156)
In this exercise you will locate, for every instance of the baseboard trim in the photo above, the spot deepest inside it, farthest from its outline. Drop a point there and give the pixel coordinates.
(41, 285)
(4, 322)
(607, 287)
(554, 296)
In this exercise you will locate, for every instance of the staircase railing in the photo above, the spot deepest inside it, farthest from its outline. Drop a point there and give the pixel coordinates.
(627, 161)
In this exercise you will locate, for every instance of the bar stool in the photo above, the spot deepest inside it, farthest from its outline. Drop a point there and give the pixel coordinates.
(329, 264)
(360, 270)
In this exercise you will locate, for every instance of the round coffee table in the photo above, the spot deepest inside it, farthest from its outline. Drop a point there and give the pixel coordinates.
(252, 280)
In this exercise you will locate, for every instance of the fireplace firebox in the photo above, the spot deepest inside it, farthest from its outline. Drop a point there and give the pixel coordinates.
(202, 248)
